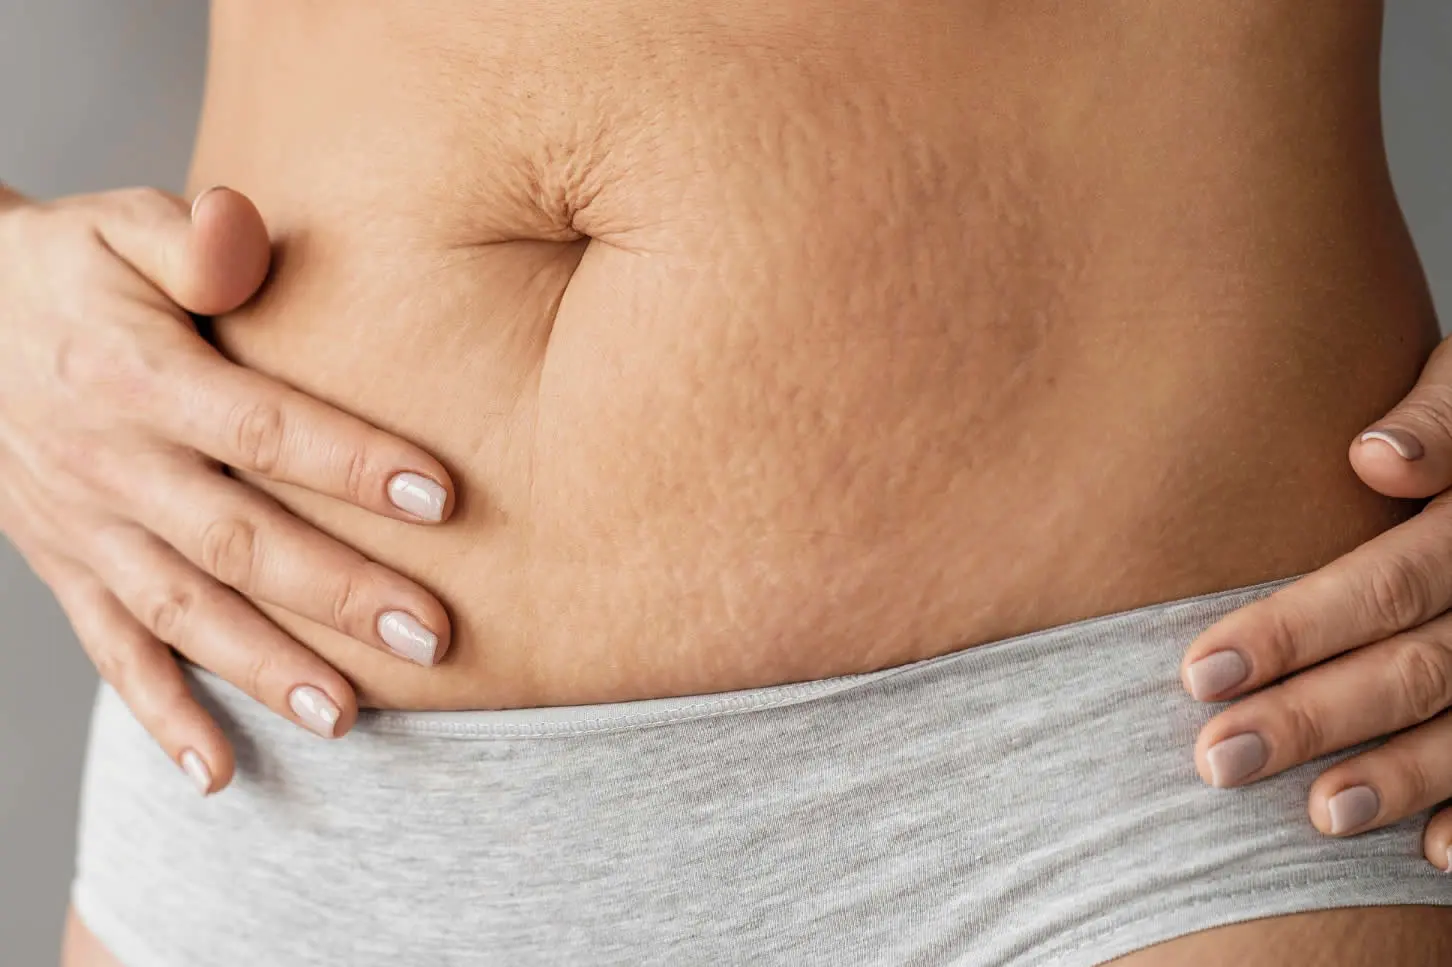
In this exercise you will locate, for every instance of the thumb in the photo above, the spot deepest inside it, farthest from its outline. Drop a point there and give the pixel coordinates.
(208, 258)
(1408, 452)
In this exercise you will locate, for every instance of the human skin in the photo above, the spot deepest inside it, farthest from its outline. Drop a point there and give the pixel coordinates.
(1357, 650)
(117, 420)
(890, 376)
(785, 346)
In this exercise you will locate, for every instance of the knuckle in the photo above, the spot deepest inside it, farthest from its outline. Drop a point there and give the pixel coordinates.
(1303, 737)
(1412, 780)
(1423, 678)
(261, 669)
(93, 366)
(229, 551)
(113, 373)
(359, 472)
(348, 600)
(72, 456)
(166, 613)
(1277, 641)
(74, 364)
(1432, 406)
(257, 434)
(116, 666)
(111, 478)
(1398, 594)
(145, 201)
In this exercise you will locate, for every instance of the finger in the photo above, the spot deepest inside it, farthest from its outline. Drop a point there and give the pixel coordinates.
(255, 424)
(1437, 841)
(1410, 773)
(1400, 579)
(221, 632)
(247, 542)
(1408, 452)
(1369, 692)
(208, 257)
(143, 672)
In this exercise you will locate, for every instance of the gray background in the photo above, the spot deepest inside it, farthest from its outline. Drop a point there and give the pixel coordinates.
(102, 93)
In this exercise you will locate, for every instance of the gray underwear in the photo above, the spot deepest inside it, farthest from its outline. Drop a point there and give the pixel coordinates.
(1029, 802)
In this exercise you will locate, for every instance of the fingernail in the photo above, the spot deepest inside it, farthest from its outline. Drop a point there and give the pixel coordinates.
(1407, 446)
(197, 771)
(197, 201)
(416, 494)
(1232, 759)
(1353, 807)
(1215, 674)
(1449, 859)
(408, 638)
(314, 709)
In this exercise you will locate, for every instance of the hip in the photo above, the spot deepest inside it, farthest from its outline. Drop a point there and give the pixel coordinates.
(944, 812)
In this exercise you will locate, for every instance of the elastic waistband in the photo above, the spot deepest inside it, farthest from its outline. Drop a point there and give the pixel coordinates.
(1193, 613)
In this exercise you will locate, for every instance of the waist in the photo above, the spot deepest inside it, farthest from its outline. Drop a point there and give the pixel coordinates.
(637, 520)
(765, 821)
(743, 413)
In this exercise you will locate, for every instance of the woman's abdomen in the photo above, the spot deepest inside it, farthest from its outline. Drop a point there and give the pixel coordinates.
(759, 359)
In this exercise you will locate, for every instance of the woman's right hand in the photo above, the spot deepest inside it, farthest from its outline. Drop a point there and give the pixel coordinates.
(117, 420)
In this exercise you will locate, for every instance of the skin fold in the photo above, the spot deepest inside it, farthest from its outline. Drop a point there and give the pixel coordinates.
(787, 341)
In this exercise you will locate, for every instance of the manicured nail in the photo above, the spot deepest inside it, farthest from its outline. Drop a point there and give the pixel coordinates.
(416, 494)
(197, 771)
(408, 638)
(1407, 446)
(1449, 859)
(1216, 674)
(197, 201)
(1232, 759)
(1353, 807)
(315, 710)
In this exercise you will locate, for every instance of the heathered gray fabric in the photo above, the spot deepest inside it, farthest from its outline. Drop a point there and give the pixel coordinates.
(1030, 802)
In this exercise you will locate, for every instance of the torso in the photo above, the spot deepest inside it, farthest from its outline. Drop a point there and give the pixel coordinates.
(795, 340)
(778, 341)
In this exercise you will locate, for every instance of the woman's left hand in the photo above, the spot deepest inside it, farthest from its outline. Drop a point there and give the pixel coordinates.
(1364, 646)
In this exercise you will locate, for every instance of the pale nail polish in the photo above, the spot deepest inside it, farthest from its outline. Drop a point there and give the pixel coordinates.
(315, 710)
(416, 494)
(1407, 446)
(408, 638)
(1232, 759)
(197, 201)
(1214, 674)
(1449, 859)
(1353, 807)
(197, 771)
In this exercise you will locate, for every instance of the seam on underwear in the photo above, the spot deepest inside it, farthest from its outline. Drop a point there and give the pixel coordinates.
(427, 722)
(393, 721)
